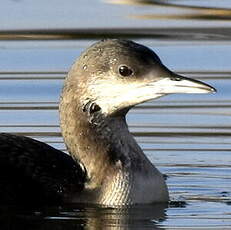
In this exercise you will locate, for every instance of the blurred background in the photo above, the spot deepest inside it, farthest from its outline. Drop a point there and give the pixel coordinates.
(188, 137)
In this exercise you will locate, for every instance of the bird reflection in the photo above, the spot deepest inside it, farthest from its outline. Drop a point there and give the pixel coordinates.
(85, 217)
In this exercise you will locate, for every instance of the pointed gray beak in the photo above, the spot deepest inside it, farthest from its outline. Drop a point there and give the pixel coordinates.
(180, 84)
(167, 82)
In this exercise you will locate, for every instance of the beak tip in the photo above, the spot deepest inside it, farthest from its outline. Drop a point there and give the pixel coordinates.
(212, 90)
(191, 85)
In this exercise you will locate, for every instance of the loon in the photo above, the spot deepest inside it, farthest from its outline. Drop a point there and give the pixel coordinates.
(105, 165)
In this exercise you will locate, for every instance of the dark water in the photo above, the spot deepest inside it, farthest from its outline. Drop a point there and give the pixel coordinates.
(188, 137)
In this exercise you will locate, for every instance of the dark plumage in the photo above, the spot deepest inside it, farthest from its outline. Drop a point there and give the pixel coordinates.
(34, 172)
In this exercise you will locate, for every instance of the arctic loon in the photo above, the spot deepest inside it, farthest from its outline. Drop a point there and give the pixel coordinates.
(105, 164)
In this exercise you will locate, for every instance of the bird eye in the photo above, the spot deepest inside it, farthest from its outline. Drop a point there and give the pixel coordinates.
(125, 71)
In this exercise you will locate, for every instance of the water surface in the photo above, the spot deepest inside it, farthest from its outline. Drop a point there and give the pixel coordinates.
(186, 136)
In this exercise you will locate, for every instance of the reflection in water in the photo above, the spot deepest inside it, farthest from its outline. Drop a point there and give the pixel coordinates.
(82, 217)
(140, 217)
(170, 3)
(171, 34)
(188, 11)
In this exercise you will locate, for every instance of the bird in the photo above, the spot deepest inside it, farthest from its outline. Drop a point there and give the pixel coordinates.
(104, 165)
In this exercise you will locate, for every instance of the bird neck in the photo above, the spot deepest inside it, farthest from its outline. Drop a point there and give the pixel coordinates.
(101, 143)
(114, 162)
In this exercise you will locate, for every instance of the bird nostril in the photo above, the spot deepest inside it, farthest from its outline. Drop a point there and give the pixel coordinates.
(175, 78)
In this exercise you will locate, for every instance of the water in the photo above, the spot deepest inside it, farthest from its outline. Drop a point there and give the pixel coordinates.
(188, 137)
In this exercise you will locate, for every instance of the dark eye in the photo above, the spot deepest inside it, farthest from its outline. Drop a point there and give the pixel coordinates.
(125, 71)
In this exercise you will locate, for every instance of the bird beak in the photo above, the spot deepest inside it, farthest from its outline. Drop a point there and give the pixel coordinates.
(179, 84)
(170, 82)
